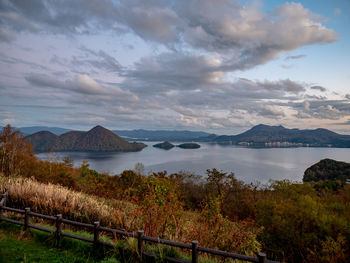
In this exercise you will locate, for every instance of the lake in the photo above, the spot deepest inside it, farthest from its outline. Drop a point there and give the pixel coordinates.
(248, 164)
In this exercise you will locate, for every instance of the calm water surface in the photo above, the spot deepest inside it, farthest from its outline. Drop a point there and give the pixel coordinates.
(248, 164)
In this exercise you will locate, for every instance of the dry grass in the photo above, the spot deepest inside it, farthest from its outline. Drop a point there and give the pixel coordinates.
(53, 199)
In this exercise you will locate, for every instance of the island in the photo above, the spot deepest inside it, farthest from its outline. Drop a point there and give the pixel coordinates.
(164, 145)
(327, 169)
(189, 145)
(98, 139)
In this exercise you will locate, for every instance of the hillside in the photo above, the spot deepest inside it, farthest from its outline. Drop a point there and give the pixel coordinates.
(279, 136)
(327, 169)
(96, 139)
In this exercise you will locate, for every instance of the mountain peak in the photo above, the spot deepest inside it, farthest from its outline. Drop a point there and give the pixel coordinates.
(98, 127)
(265, 127)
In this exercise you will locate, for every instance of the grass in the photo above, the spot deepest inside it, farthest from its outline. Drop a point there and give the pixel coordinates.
(52, 199)
(17, 245)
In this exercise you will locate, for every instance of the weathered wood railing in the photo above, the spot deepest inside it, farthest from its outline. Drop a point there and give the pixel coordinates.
(97, 229)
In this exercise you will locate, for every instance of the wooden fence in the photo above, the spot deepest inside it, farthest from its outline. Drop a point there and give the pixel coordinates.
(97, 229)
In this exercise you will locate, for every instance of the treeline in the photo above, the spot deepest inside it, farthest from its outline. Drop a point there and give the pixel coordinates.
(294, 222)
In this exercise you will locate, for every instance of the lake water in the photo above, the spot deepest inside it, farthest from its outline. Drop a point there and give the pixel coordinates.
(248, 164)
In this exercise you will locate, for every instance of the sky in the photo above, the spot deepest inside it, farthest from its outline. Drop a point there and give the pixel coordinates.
(220, 66)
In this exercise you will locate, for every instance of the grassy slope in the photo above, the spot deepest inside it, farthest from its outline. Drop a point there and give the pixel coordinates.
(17, 245)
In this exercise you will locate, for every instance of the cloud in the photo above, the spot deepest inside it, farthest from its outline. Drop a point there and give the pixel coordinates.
(321, 109)
(88, 85)
(5, 35)
(246, 35)
(322, 89)
(347, 96)
(295, 57)
(243, 36)
(81, 83)
(173, 71)
(98, 59)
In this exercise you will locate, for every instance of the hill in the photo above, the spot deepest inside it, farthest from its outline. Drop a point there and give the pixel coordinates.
(33, 129)
(96, 139)
(279, 136)
(327, 169)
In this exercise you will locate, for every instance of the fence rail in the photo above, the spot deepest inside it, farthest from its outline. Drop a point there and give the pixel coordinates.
(97, 229)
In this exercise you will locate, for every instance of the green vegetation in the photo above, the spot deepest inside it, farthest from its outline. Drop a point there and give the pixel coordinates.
(17, 245)
(327, 169)
(293, 222)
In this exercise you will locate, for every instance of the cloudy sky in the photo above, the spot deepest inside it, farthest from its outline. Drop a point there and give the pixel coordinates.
(213, 65)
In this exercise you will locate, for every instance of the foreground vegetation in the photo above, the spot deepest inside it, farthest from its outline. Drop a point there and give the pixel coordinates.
(294, 222)
(17, 245)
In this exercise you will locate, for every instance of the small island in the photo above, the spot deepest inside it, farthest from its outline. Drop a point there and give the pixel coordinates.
(164, 145)
(189, 145)
(327, 169)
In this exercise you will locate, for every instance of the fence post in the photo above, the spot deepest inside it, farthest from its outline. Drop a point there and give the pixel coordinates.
(140, 243)
(2, 201)
(96, 232)
(26, 217)
(262, 257)
(194, 251)
(58, 228)
(4, 196)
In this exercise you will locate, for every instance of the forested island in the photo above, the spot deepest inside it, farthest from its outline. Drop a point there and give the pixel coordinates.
(97, 139)
(164, 145)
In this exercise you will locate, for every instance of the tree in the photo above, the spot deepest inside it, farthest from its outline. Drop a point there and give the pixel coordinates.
(15, 152)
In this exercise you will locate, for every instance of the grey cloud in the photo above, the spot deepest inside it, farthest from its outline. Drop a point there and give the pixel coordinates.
(347, 96)
(243, 35)
(286, 85)
(173, 71)
(58, 16)
(5, 35)
(322, 89)
(251, 36)
(81, 84)
(98, 59)
(270, 111)
(322, 109)
(295, 57)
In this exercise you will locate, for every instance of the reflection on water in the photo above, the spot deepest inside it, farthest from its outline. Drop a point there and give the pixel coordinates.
(248, 164)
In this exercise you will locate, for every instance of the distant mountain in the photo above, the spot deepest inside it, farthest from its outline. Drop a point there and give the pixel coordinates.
(279, 136)
(327, 169)
(33, 129)
(96, 139)
(160, 135)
